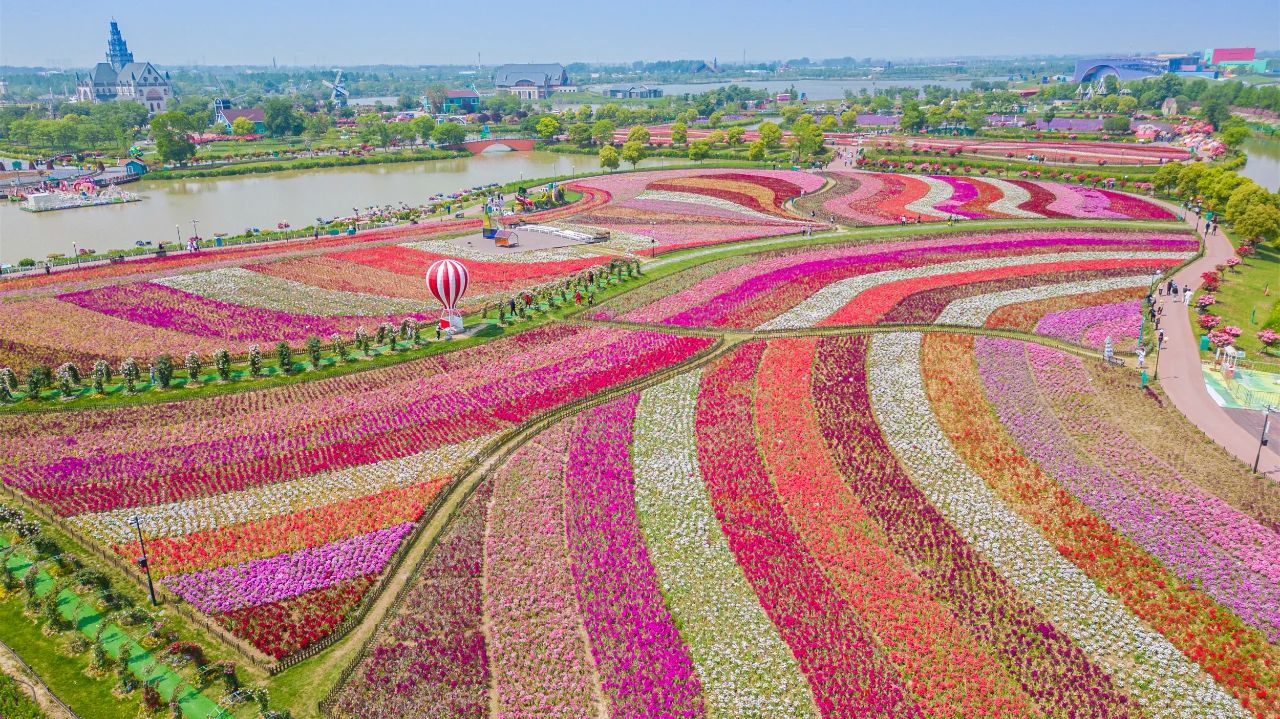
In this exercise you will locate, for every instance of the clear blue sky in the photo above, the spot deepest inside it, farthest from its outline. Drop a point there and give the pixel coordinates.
(72, 33)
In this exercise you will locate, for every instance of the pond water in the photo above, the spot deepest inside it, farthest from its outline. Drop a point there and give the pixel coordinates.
(231, 204)
(1263, 166)
(815, 90)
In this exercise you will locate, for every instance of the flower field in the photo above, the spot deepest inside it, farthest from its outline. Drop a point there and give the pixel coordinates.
(889, 525)
(877, 198)
(959, 279)
(272, 511)
(1111, 153)
(686, 208)
(264, 301)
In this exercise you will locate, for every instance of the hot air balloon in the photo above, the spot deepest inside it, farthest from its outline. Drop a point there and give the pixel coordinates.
(447, 280)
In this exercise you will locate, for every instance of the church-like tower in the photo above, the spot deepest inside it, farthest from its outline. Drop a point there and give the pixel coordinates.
(117, 50)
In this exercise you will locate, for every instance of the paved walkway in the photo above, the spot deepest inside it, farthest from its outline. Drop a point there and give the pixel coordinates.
(1180, 373)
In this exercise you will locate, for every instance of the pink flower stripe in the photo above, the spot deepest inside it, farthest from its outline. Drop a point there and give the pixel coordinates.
(413, 416)
(829, 640)
(949, 670)
(883, 198)
(541, 665)
(764, 289)
(1090, 326)
(432, 653)
(1048, 666)
(645, 668)
(1153, 516)
(166, 308)
(262, 581)
(925, 306)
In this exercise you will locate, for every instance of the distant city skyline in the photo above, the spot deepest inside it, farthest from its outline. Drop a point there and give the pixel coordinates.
(323, 33)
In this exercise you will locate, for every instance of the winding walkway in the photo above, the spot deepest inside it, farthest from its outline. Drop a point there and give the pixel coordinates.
(1180, 372)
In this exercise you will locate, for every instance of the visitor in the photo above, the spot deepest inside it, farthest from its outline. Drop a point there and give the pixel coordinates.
(1173, 289)
(1160, 339)
(902, 219)
(47, 268)
(437, 332)
(1186, 294)
(577, 297)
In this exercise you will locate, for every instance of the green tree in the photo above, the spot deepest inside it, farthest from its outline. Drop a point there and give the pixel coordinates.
(806, 137)
(1242, 198)
(713, 120)
(639, 134)
(1116, 124)
(679, 133)
(279, 118)
(314, 350)
(164, 371)
(1259, 222)
(580, 134)
(372, 130)
(449, 133)
(633, 152)
(609, 157)
(1166, 178)
(171, 131)
(734, 136)
(602, 131)
(436, 94)
(1215, 112)
(548, 127)
(1234, 136)
(849, 119)
(242, 126)
(913, 118)
(756, 151)
(770, 135)
(699, 150)
(284, 357)
(716, 137)
(421, 126)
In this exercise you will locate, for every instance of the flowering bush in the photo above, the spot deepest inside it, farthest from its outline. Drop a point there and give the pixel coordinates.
(1205, 300)
(1208, 321)
(1220, 338)
(1268, 337)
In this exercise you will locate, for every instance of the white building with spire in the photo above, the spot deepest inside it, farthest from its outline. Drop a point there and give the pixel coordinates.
(120, 78)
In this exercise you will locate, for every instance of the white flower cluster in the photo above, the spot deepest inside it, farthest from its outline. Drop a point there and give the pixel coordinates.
(254, 289)
(746, 668)
(269, 500)
(974, 311)
(695, 199)
(1014, 196)
(1141, 661)
(451, 249)
(939, 191)
(831, 298)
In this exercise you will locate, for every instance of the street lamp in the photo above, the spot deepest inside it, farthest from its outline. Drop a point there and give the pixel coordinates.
(177, 230)
(75, 251)
(136, 521)
(194, 232)
(1262, 438)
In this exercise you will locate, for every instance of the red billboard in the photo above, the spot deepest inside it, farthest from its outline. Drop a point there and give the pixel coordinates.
(1232, 54)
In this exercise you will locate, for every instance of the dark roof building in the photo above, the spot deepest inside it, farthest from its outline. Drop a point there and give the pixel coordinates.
(531, 82)
(632, 91)
(120, 78)
(227, 117)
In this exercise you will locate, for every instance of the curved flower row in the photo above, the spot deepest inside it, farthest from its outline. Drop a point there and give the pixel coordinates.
(887, 198)
(645, 667)
(262, 581)
(540, 662)
(1091, 326)
(236, 285)
(1236, 656)
(974, 311)
(744, 666)
(1155, 672)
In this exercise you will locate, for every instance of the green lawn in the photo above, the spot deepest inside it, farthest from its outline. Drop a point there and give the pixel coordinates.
(1241, 301)
(15, 702)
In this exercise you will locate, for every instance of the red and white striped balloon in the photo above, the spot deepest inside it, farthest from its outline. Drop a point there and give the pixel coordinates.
(447, 280)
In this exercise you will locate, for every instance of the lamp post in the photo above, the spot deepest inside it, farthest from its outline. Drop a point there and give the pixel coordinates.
(1262, 438)
(75, 251)
(136, 521)
(194, 232)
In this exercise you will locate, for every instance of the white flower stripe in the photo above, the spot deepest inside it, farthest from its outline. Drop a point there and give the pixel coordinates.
(746, 668)
(831, 298)
(1013, 195)
(254, 289)
(939, 191)
(1142, 662)
(694, 199)
(269, 500)
(974, 311)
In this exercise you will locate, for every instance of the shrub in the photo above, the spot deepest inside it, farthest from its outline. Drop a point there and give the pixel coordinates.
(222, 363)
(67, 375)
(284, 357)
(339, 347)
(131, 373)
(313, 351)
(381, 337)
(9, 378)
(193, 365)
(164, 371)
(101, 376)
(150, 698)
(255, 361)
(362, 340)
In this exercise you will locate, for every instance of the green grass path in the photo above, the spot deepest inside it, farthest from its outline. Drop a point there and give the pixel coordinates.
(195, 705)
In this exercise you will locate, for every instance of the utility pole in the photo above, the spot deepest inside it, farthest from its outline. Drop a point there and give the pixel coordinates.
(136, 521)
(1262, 438)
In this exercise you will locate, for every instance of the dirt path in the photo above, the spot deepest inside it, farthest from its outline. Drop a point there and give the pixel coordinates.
(1180, 372)
(12, 664)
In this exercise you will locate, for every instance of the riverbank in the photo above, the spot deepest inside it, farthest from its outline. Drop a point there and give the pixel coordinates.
(263, 166)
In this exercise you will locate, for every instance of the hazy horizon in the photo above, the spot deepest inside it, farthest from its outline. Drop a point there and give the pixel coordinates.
(294, 33)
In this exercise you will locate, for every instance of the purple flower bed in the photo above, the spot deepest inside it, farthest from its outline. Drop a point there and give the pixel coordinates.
(1091, 326)
(645, 668)
(263, 581)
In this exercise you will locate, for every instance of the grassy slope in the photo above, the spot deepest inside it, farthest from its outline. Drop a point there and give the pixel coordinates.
(1241, 301)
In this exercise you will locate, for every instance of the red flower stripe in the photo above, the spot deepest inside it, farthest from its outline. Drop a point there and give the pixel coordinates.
(1044, 661)
(835, 651)
(948, 669)
(284, 627)
(870, 306)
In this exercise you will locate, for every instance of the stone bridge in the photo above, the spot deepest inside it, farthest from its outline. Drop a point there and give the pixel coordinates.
(478, 146)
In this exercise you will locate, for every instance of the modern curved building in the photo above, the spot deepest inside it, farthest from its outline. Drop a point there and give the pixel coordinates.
(1123, 68)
